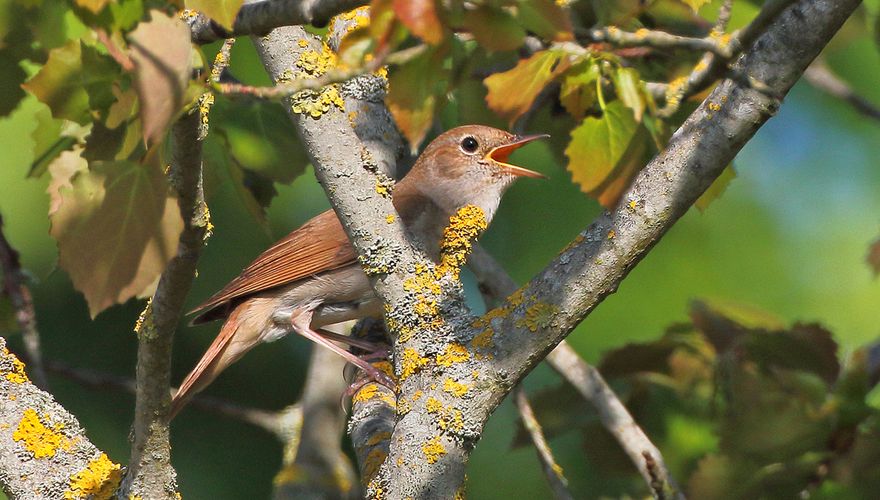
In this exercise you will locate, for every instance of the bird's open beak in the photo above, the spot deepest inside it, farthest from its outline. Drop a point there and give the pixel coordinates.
(500, 154)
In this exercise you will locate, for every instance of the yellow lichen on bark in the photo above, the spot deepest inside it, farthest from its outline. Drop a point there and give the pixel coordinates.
(411, 363)
(17, 374)
(99, 480)
(39, 439)
(455, 388)
(312, 64)
(458, 238)
(433, 450)
(372, 463)
(453, 353)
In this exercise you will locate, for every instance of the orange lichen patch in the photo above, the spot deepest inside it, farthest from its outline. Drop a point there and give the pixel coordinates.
(575, 242)
(433, 450)
(454, 353)
(372, 463)
(642, 33)
(453, 421)
(17, 374)
(411, 363)
(385, 367)
(98, 480)
(289, 474)
(433, 405)
(714, 106)
(557, 469)
(367, 393)
(633, 204)
(311, 64)
(539, 315)
(383, 189)
(455, 388)
(39, 439)
(458, 238)
(418, 395)
(390, 218)
(675, 91)
(360, 16)
(484, 339)
(378, 438)
(611, 234)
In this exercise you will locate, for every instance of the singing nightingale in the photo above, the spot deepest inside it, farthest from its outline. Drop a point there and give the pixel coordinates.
(311, 278)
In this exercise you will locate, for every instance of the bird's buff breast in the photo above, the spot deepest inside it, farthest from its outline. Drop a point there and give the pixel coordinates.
(335, 296)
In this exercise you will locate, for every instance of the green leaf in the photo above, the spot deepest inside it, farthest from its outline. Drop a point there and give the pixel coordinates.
(100, 73)
(628, 86)
(160, 50)
(413, 91)
(222, 168)
(59, 83)
(716, 189)
(512, 92)
(11, 78)
(577, 93)
(494, 28)
(93, 5)
(261, 137)
(117, 228)
(599, 149)
(222, 11)
(421, 18)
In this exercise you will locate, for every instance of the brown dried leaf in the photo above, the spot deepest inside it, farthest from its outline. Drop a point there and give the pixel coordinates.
(117, 228)
(160, 50)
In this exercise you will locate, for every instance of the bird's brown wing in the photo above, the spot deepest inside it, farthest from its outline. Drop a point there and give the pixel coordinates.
(317, 246)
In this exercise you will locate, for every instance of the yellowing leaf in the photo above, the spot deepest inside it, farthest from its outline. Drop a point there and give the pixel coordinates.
(412, 95)
(222, 11)
(160, 50)
(512, 92)
(420, 17)
(93, 5)
(696, 4)
(58, 83)
(117, 228)
(599, 147)
(715, 189)
(628, 87)
(61, 171)
(494, 28)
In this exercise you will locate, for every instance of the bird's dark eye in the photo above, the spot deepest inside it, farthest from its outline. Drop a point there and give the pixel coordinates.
(469, 145)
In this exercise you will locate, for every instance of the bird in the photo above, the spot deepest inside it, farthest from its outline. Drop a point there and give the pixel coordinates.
(311, 278)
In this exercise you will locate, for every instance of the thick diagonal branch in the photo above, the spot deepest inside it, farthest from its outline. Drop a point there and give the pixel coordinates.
(150, 473)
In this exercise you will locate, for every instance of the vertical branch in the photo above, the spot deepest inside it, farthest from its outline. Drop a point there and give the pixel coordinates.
(314, 464)
(20, 295)
(150, 473)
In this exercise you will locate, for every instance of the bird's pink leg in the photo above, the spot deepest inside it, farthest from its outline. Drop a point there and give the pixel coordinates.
(301, 320)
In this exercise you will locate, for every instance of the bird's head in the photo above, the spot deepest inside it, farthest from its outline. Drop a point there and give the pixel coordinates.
(468, 165)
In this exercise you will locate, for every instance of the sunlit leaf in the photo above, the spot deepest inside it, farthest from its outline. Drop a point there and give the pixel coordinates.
(116, 228)
(494, 28)
(545, 18)
(599, 146)
(696, 4)
(58, 84)
(160, 50)
(61, 171)
(716, 189)
(577, 92)
(873, 257)
(222, 11)
(628, 86)
(413, 91)
(122, 108)
(93, 5)
(420, 17)
(512, 92)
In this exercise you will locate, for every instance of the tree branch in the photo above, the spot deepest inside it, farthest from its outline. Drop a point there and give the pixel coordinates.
(820, 76)
(552, 470)
(20, 295)
(495, 284)
(150, 473)
(659, 40)
(44, 453)
(259, 18)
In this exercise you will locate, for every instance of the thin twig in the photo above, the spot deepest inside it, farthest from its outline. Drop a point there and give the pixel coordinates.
(332, 76)
(20, 295)
(552, 470)
(819, 75)
(658, 39)
(206, 100)
(115, 52)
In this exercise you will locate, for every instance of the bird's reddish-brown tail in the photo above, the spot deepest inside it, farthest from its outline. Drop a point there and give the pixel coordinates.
(218, 356)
